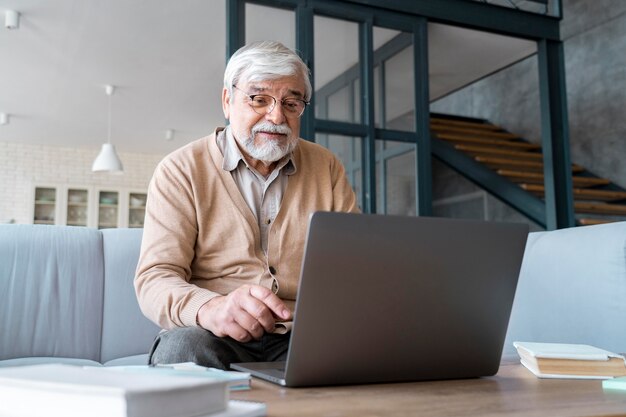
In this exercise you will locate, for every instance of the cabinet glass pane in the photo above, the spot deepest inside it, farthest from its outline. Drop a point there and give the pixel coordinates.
(349, 150)
(108, 209)
(77, 207)
(45, 205)
(136, 209)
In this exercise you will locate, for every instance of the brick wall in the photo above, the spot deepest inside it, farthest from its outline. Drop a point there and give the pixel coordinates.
(24, 166)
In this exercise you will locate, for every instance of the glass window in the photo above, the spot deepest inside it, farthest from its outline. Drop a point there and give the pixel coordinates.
(395, 174)
(394, 84)
(349, 150)
(336, 69)
(270, 23)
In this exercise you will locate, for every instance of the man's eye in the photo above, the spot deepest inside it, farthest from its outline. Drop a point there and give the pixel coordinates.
(260, 101)
(291, 105)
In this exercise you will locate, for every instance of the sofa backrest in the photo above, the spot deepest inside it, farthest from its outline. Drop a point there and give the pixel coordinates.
(125, 330)
(51, 291)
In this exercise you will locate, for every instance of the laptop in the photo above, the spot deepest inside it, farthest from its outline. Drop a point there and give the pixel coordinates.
(393, 298)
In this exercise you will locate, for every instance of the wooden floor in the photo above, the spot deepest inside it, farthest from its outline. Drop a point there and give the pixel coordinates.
(513, 392)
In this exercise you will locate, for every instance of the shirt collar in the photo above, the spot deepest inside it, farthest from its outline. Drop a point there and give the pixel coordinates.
(233, 156)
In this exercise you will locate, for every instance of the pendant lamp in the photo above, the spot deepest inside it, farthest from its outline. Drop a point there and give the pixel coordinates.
(107, 159)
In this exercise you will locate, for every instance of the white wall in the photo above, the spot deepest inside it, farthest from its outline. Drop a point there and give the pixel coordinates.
(23, 166)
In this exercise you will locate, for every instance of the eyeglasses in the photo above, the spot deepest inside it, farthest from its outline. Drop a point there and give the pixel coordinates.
(264, 104)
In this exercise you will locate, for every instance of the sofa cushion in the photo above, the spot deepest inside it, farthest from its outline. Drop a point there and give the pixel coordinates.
(572, 288)
(126, 331)
(54, 275)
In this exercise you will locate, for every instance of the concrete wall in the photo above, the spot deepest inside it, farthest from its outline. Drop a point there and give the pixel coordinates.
(24, 166)
(594, 35)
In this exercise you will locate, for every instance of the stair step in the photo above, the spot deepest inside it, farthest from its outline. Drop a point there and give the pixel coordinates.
(582, 193)
(462, 123)
(591, 222)
(472, 149)
(473, 132)
(537, 178)
(492, 142)
(600, 208)
(493, 161)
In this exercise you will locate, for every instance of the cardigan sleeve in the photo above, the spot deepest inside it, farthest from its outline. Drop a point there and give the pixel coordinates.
(170, 230)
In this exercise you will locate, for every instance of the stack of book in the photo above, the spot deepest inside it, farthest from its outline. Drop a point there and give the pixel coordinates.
(74, 391)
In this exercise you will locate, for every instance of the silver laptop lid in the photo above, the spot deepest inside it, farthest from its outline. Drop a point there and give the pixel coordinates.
(391, 298)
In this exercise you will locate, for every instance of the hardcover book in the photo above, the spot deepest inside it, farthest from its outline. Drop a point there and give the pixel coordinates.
(74, 391)
(562, 360)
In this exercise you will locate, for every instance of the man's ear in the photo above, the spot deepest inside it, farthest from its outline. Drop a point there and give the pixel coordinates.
(226, 103)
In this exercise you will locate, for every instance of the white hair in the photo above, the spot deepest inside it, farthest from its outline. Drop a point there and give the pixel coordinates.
(265, 60)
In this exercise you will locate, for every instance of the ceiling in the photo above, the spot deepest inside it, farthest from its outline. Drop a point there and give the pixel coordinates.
(167, 59)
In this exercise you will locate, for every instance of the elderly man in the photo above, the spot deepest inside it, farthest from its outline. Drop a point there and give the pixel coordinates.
(226, 219)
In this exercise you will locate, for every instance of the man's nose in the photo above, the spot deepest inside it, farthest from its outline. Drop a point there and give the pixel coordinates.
(277, 115)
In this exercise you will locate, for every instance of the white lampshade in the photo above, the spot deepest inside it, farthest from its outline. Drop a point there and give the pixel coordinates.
(107, 160)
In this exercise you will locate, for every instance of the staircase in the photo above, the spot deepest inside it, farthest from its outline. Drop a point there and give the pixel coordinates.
(596, 200)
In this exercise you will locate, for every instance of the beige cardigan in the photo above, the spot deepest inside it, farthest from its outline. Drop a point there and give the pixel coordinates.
(201, 240)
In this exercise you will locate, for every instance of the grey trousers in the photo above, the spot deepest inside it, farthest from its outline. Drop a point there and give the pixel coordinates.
(195, 344)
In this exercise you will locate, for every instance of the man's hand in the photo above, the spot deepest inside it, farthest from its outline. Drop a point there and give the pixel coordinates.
(244, 314)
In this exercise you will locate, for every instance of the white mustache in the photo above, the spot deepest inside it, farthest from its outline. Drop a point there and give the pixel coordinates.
(271, 128)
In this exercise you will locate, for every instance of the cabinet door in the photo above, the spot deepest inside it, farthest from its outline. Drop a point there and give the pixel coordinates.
(108, 209)
(45, 205)
(136, 209)
(77, 207)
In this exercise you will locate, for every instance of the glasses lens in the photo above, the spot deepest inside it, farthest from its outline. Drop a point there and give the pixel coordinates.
(293, 107)
(262, 103)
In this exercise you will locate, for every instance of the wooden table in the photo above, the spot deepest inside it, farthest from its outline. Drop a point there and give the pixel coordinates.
(514, 391)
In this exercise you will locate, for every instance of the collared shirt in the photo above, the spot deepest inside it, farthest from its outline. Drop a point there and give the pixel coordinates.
(263, 195)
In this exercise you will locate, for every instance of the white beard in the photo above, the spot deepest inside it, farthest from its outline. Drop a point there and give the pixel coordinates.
(268, 151)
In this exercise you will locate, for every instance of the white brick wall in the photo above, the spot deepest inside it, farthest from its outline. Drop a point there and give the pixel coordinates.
(23, 166)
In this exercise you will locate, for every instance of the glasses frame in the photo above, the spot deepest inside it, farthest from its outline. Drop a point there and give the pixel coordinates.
(273, 106)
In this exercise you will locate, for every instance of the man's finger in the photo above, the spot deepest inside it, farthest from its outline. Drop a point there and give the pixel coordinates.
(271, 300)
(250, 324)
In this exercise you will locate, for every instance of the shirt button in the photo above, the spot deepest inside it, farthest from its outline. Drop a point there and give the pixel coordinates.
(275, 287)
(272, 270)
(268, 221)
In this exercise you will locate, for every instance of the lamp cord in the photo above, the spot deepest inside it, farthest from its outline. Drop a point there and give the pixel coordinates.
(109, 125)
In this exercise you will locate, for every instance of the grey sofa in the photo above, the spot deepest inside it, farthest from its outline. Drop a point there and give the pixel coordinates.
(66, 293)
(572, 289)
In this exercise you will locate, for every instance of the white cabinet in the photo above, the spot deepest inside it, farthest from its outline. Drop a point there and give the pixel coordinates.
(98, 207)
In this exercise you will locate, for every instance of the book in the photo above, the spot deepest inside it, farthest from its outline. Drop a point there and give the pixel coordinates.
(235, 380)
(74, 391)
(615, 383)
(242, 409)
(562, 360)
